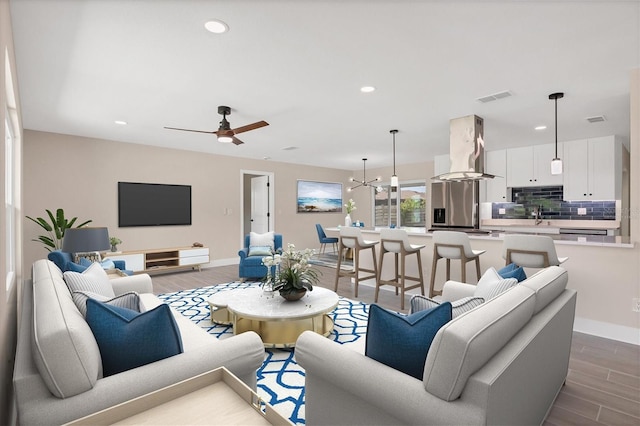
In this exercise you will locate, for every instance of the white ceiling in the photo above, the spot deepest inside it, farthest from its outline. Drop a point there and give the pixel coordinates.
(299, 66)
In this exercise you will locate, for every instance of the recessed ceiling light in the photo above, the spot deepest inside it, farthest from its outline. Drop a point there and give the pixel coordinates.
(121, 123)
(540, 127)
(217, 27)
(367, 89)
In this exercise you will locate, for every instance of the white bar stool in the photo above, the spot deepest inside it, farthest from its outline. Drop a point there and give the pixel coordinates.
(453, 245)
(351, 238)
(530, 251)
(396, 241)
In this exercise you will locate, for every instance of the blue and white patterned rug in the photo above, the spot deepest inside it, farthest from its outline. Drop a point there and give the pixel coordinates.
(280, 379)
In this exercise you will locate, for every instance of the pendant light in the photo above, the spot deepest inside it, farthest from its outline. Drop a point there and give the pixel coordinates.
(364, 181)
(394, 177)
(556, 163)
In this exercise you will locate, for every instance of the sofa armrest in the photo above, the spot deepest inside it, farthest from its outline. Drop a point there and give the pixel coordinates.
(243, 253)
(140, 283)
(242, 355)
(454, 290)
(355, 389)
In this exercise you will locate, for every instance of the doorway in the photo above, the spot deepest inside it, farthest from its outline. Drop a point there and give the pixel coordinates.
(257, 189)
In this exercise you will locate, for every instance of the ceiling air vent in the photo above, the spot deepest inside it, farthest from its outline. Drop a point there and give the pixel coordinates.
(596, 119)
(289, 148)
(494, 97)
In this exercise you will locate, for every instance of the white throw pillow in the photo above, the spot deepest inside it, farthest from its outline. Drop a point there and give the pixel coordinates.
(458, 307)
(93, 279)
(265, 239)
(492, 284)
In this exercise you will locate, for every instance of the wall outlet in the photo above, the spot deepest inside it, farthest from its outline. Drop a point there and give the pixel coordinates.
(635, 307)
(502, 211)
(582, 211)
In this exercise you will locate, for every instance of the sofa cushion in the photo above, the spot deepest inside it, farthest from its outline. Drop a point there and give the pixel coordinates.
(402, 341)
(266, 239)
(548, 283)
(260, 251)
(93, 279)
(464, 345)
(460, 306)
(129, 300)
(64, 349)
(513, 271)
(128, 339)
(492, 284)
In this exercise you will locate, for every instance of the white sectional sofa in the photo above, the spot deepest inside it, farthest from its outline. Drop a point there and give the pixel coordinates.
(58, 355)
(503, 362)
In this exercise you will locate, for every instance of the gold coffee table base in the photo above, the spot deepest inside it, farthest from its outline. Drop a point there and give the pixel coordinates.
(279, 323)
(284, 333)
(220, 315)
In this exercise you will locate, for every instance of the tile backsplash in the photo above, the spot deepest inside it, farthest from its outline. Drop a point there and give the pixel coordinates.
(553, 207)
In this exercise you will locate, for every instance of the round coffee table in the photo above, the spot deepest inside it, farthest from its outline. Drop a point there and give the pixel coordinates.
(277, 321)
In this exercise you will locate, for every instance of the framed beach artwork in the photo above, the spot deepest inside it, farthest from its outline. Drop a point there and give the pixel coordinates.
(319, 197)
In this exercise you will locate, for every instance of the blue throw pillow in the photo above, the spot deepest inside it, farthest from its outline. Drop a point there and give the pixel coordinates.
(74, 267)
(513, 271)
(402, 341)
(128, 339)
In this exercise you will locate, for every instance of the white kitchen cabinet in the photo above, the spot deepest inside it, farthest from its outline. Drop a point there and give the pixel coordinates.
(440, 164)
(593, 169)
(531, 166)
(496, 164)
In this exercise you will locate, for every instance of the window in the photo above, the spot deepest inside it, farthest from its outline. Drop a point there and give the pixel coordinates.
(10, 258)
(411, 199)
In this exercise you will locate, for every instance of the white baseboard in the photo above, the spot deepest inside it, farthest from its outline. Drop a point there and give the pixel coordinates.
(607, 330)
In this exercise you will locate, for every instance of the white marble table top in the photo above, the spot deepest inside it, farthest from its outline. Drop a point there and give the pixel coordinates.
(255, 303)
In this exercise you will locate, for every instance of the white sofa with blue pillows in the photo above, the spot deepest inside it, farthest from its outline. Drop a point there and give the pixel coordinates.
(59, 374)
(501, 363)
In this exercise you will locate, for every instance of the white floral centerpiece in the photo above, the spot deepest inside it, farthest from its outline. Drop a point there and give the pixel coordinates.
(290, 273)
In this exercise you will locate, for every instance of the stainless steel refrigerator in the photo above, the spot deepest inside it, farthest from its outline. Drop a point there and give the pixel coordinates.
(455, 205)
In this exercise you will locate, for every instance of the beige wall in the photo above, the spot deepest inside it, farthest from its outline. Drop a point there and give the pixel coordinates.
(81, 175)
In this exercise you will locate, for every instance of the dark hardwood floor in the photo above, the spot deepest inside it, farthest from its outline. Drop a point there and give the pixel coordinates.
(603, 385)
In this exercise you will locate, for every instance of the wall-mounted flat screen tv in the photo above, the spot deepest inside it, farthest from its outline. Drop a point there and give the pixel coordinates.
(153, 204)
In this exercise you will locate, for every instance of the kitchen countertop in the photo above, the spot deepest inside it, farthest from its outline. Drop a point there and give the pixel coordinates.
(568, 239)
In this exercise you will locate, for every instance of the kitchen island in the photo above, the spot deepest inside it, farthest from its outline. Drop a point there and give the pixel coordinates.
(594, 267)
(371, 233)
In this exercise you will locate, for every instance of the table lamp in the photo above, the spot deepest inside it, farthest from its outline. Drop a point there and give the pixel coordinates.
(86, 242)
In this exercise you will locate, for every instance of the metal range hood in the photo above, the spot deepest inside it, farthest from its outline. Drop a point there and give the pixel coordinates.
(466, 151)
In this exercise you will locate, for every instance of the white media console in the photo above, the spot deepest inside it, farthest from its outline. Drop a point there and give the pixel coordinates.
(161, 260)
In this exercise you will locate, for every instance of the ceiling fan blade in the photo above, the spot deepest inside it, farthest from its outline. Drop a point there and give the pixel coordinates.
(190, 130)
(237, 141)
(248, 127)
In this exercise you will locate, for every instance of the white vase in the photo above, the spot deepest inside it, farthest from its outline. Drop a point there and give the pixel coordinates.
(347, 220)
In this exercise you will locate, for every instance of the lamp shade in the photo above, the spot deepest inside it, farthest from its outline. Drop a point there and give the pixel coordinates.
(83, 240)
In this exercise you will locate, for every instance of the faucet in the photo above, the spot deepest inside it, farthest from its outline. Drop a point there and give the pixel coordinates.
(538, 214)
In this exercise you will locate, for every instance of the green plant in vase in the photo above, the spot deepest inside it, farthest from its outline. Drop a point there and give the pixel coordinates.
(114, 241)
(56, 229)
